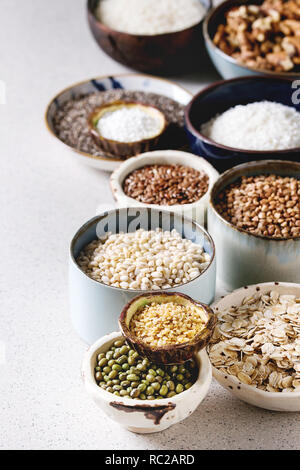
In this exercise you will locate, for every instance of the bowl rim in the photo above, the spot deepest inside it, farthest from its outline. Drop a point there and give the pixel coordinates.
(234, 379)
(117, 185)
(205, 91)
(102, 77)
(248, 166)
(97, 218)
(110, 31)
(204, 372)
(217, 50)
(209, 325)
(97, 134)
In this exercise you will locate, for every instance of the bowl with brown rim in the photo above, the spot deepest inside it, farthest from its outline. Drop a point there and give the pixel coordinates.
(147, 416)
(228, 66)
(276, 401)
(172, 353)
(245, 258)
(127, 149)
(162, 54)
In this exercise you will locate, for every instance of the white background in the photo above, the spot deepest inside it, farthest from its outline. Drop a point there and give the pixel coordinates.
(45, 196)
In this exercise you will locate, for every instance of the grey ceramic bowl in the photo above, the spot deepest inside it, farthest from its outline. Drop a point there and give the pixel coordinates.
(227, 66)
(243, 258)
(96, 307)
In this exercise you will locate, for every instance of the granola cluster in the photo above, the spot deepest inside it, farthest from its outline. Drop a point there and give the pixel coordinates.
(263, 37)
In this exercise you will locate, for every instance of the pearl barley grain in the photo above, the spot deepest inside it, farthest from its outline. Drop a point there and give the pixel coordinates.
(141, 260)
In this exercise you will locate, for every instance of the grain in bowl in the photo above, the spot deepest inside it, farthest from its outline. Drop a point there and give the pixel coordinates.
(166, 185)
(150, 17)
(123, 372)
(167, 327)
(257, 126)
(264, 205)
(167, 323)
(258, 341)
(143, 260)
(71, 121)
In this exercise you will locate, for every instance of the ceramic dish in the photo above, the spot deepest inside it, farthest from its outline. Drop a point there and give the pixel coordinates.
(126, 149)
(95, 307)
(221, 96)
(227, 66)
(244, 258)
(250, 394)
(131, 82)
(172, 354)
(196, 211)
(170, 53)
(137, 415)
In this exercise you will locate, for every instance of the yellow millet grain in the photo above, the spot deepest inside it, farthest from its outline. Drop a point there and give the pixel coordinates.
(167, 323)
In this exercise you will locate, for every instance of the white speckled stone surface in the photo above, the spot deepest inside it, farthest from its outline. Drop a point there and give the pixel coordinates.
(45, 196)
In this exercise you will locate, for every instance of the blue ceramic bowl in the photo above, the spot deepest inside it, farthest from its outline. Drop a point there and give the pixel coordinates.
(222, 96)
(227, 66)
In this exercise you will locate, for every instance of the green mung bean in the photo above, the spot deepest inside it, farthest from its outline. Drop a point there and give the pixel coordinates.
(122, 372)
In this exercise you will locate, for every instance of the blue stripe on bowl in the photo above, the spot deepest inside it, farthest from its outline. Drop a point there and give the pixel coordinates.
(115, 83)
(99, 86)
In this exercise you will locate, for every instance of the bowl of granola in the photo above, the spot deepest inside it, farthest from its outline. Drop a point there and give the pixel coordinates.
(259, 37)
(255, 349)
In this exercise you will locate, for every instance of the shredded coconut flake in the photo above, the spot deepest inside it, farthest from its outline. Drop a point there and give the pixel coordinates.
(150, 17)
(263, 125)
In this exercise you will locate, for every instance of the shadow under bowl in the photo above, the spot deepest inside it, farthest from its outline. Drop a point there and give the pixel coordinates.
(223, 95)
(162, 54)
(227, 66)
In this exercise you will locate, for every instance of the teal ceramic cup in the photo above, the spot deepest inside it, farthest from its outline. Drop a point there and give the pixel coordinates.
(242, 258)
(96, 307)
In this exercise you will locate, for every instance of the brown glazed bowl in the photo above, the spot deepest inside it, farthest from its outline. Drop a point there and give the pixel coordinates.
(162, 54)
(126, 149)
(172, 354)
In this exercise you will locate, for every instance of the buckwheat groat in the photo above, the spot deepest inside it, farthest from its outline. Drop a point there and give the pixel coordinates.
(266, 205)
(166, 185)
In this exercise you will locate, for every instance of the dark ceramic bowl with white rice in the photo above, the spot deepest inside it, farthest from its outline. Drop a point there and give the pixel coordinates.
(245, 119)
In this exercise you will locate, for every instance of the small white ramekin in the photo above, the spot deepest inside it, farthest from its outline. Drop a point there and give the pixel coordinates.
(141, 416)
(288, 401)
(196, 211)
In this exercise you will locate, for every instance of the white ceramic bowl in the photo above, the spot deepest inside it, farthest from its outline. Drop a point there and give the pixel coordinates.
(247, 393)
(133, 82)
(145, 416)
(196, 211)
